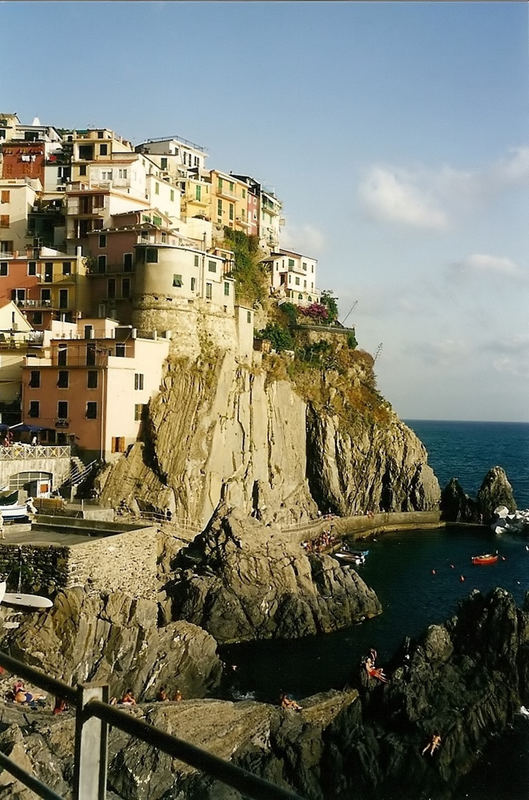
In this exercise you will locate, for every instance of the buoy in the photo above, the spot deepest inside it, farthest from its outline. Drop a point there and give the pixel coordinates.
(461, 578)
(503, 558)
(433, 572)
(452, 566)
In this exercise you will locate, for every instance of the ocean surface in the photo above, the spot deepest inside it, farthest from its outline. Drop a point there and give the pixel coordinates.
(399, 568)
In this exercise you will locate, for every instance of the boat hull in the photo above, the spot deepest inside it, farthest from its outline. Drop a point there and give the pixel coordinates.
(484, 560)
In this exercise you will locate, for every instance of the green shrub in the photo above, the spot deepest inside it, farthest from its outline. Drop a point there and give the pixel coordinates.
(279, 337)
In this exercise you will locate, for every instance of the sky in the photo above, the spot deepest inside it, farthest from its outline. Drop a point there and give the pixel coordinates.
(395, 134)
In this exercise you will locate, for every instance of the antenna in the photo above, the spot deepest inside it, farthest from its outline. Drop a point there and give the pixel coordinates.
(350, 311)
(379, 350)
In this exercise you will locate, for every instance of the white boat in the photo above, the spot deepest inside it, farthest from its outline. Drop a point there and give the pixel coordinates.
(28, 601)
(14, 511)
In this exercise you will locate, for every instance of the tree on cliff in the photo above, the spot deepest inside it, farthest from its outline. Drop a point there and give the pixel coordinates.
(251, 279)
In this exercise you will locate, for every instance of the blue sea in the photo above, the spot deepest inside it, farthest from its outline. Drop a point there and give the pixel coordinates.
(467, 450)
(399, 568)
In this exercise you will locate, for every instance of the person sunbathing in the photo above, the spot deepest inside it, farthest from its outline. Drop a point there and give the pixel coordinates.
(287, 702)
(375, 672)
(432, 745)
(128, 699)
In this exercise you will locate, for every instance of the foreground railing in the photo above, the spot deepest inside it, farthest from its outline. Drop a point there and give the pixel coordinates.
(19, 451)
(93, 715)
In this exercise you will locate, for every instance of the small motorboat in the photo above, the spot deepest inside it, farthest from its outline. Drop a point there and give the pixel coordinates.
(357, 557)
(486, 558)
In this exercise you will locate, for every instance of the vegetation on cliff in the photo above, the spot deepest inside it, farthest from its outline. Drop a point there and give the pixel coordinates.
(251, 281)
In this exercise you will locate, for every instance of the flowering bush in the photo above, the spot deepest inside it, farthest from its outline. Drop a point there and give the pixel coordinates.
(316, 311)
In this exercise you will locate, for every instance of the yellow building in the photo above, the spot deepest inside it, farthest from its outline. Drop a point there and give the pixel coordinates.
(228, 204)
(94, 145)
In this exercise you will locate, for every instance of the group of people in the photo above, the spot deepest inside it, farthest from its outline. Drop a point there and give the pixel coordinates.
(321, 542)
(162, 695)
(19, 694)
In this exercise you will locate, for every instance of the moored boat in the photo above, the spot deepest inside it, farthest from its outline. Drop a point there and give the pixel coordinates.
(486, 558)
(357, 557)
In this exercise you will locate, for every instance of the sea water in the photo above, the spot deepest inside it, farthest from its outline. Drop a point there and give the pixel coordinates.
(400, 569)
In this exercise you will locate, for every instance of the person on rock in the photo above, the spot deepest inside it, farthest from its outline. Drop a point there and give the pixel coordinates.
(178, 696)
(374, 672)
(128, 699)
(433, 744)
(29, 699)
(162, 695)
(286, 702)
(60, 706)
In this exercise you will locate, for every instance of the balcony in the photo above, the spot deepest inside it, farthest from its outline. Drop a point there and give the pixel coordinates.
(62, 423)
(23, 452)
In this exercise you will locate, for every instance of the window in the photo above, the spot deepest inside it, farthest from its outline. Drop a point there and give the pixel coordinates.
(3, 268)
(196, 261)
(244, 194)
(305, 266)
(138, 381)
(231, 186)
(297, 281)
(66, 267)
(62, 409)
(177, 280)
(125, 287)
(248, 316)
(193, 284)
(120, 349)
(102, 240)
(118, 444)
(5, 196)
(127, 262)
(198, 192)
(91, 379)
(231, 210)
(82, 170)
(62, 355)
(32, 267)
(163, 163)
(48, 272)
(122, 173)
(138, 411)
(111, 288)
(34, 378)
(4, 220)
(290, 262)
(212, 266)
(226, 288)
(62, 381)
(63, 298)
(45, 297)
(90, 354)
(156, 188)
(37, 318)
(220, 185)
(100, 134)
(151, 255)
(91, 410)
(103, 149)
(18, 296)
(209, 291)
(106, 175)
(219, 207)
(34, 409)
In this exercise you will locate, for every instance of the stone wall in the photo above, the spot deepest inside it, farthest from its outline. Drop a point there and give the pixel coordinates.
(59, 468)
(121, 562)
(125, 562)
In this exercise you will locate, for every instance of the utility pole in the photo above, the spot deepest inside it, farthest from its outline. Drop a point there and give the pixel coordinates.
(379, 350)
(350, 311)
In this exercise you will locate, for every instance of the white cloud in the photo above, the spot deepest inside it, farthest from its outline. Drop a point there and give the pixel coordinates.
(422, 197)
(306, 239)
(483, 263)
(392, 197)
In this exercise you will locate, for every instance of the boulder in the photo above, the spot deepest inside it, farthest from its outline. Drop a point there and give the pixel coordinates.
(249, 581)
(115, 639)
(456, 506)
(494, 491)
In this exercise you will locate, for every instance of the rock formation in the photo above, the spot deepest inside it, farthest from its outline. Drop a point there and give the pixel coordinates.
(115, 639)
(242, 580)
(463, 680)
(265, 443)
(495, 491)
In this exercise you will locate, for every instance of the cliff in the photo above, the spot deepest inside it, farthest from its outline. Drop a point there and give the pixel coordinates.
(278, 438)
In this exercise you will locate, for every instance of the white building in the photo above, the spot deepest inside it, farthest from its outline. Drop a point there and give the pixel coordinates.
(17, 199)
(293, 276)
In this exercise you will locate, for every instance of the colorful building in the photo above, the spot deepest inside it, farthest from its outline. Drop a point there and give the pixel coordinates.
(91, 391)
(293, 276)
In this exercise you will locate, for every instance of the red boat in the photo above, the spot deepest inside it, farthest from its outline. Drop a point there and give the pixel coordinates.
(488, 558)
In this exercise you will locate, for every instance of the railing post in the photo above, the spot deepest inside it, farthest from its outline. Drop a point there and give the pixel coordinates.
(91, 752)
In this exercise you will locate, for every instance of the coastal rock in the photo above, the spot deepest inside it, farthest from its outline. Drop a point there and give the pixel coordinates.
(495, 491)
(221, 432)
(248, 581)
(456, 506)
(115, 639)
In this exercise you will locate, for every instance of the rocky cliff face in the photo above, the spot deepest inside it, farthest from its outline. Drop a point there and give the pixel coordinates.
(463, 680)
(271, 445)
(248, 581)
(456, 506)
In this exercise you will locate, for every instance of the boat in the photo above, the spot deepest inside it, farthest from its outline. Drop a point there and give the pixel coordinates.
(29, 601)
(486, 558)
(357, 557)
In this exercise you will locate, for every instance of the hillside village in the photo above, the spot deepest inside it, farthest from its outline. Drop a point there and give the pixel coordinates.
(108, 252)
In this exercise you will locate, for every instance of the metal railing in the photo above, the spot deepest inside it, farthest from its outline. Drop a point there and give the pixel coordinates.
(24, 452)
(94, 715)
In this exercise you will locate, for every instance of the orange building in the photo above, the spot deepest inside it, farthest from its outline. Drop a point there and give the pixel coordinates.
(90, 391)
